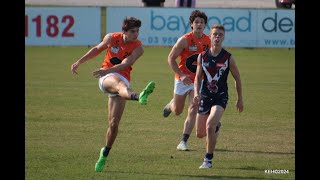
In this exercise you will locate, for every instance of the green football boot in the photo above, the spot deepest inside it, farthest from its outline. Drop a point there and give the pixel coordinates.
(143, 96)
(101, 162)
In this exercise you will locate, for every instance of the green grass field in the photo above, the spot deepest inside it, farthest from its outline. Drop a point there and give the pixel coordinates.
(66, 119)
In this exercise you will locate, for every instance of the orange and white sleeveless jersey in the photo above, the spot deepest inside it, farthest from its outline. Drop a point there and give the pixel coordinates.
(117, 51)
(188, 57)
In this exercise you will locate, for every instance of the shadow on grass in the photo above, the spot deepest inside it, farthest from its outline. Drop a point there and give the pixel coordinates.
(258, 152)
(175, 176)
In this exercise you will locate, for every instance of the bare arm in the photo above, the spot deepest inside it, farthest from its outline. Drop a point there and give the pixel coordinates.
(197, 80)
(130, 60)
(236, 75)
(93, 52)
(176, 50)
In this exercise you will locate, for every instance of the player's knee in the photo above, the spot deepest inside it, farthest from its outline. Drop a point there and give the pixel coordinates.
(192, 110)
(177, 111)
(211, 130)
(201, 134)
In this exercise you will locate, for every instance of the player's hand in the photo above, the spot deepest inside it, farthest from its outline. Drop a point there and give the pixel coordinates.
(98, 73)
(74, 67)
(239, 106)
(185, 79)
(196, 100)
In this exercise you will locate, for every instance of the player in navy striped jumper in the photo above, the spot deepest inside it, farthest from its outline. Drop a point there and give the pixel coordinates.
(211, 90)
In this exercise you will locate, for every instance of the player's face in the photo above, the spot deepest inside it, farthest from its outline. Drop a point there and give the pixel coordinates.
(198, 25)
(132, 34)
(217, 36)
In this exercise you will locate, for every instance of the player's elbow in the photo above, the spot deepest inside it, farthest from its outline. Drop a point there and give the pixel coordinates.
(171, 59)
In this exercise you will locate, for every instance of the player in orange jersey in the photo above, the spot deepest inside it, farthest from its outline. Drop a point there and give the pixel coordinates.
(187, 48)
(123, 49)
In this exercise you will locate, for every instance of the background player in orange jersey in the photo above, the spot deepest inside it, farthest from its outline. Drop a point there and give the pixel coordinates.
(187, 49)
(123, 49)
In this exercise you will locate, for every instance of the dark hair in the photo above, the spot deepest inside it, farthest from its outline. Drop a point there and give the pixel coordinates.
(200, 14)
(130, 22)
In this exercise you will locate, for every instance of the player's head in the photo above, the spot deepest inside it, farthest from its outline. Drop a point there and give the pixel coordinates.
(130, 23)
(197, 17)
(217, 32)
(130, 27)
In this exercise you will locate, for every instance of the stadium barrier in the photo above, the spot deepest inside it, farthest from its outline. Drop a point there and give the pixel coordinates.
(70, 26)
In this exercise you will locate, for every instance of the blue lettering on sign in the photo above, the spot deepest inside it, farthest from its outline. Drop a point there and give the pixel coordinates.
(178, 23)
(158, 22)
(242, 24)
(273, 24)
(244, 20)
(162, 20)
(173, 23)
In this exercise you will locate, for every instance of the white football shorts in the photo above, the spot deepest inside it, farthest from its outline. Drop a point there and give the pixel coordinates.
(112, 74)
(181, 89)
